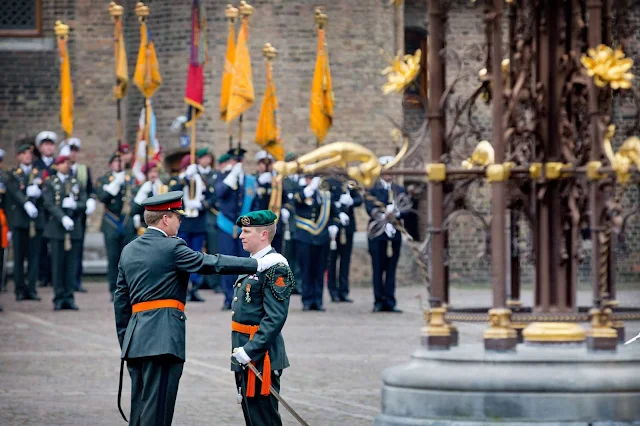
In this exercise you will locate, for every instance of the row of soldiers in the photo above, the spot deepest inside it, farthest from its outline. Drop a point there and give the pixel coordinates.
(50, 199)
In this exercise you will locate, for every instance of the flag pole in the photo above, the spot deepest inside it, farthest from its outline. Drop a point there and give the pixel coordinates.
(192, 186)
(142, 12)
(231, 13)
(116, 12)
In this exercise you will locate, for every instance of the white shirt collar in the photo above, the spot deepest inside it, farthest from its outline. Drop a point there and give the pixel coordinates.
(204, 170)
(386, 185)
(26, 169)
(47, 160)
(61, 176)
(262, 252)
(158, 229)
(74, 168)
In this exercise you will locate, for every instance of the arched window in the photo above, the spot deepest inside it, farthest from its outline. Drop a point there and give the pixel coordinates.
(416, 38)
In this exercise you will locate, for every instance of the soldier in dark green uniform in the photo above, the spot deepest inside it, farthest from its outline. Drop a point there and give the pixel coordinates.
(26, 216)
(290, 185)
(65, 200)
(115, 190)
(149, 306)
(260, 307)
(210, 175)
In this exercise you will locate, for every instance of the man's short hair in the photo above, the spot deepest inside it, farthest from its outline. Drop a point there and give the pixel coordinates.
(271, 231)
(151, 218)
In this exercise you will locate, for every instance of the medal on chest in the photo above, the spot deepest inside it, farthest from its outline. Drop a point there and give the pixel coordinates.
(247, 296)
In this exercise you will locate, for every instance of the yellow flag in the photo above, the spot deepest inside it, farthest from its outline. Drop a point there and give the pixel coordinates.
(121, 68)
(147, 74)
(228, 72)
(66, 89)
(268, 130)
(241, 93)
(321, 110)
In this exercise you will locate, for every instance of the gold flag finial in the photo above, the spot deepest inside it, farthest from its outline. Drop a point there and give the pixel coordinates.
(245, 8)
(231, 13)
(321, 18)
(269, 52)
(115, 10)
(62, 30)
(142, 11)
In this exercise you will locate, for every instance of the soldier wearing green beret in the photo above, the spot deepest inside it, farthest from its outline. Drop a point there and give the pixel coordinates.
(260, 307)
(26, 216)
(290, 185)
(149, 306)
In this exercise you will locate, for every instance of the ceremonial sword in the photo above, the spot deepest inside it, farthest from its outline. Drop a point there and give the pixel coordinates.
(278, 397)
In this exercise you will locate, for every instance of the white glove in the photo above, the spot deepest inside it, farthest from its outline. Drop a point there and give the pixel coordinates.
(69, 203)
(269, 260)
(193, 204)
(241, 356)
(119, 177)
(390, 208)
(311, 188)
(237, 169)
(333, 231)
(389, 230)
(31, 210)
(91, 206)
(67, 223)
(113, 187)
(264, 178)
(191, 171)
(136, 221)
(284, 214)
(9, 235)
(302, 181)
(346, 199)
(232, 178)
(344, 218)
(143, 192)
(33, 191)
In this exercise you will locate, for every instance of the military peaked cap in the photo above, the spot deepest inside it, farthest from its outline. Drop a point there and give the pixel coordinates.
(237, 153)
(257, 218)
(171, 201)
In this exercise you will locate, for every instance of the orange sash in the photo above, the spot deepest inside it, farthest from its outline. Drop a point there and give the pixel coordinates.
(4, 231)
(266, 371)
(157, 304)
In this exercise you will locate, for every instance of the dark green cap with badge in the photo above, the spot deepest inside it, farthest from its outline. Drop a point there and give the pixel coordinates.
(202, 152)
(257, 218)
(224, 157)
(171, 201)
(23, 148)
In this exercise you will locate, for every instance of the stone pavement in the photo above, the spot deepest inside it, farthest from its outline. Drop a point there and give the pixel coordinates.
(61, 368)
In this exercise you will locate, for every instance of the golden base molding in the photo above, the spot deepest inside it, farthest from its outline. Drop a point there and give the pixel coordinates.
(553, 332)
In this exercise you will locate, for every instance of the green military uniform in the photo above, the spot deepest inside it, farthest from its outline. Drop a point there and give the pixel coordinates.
(26, 231)
(213, 281)
(66, 245)
(289, 187)
(117, 225)
(152, 338)
(260, 307)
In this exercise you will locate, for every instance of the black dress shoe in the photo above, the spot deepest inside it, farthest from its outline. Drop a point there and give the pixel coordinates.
(81, 289)
(57, 306)
(195, 297)
(306, 308)
(32, 296)
(345, 299)
(377, 308)
(19, 297)
(319, 308)
(335, 299)
(71, 306)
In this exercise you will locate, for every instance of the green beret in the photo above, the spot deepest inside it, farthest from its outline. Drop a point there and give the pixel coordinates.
(291, 156)
(224, 157)
(202, 152)
(257, 218)
(24, 147)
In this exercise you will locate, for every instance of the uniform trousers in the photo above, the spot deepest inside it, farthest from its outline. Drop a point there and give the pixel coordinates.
(154, 388)
(195, 241)
(26, 248)
(259, 410)
(338, 282)
(232, 247)
(63, 269)
(384, 288)
(313, 263)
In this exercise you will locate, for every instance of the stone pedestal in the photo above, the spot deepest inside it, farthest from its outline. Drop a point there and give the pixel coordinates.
(467, 386)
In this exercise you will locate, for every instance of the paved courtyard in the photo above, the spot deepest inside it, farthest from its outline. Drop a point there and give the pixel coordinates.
(61, 368)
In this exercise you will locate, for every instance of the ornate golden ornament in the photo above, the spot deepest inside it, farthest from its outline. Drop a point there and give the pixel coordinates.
(245, 9)
(482, 156)
(231, 13)
(269, 52)
(436, 172)
(499, 172)
(435, 323)
(321, 18)
(629, 153)
(142, 11)
(61, 30)
(401, 72)
(245, 221)
(554, 332)
(500, 325)
(115, 10)
(607, 66)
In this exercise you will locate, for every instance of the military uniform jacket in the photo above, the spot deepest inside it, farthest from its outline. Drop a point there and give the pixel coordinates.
(263, 299)
(313, 217)
(337, 188)
(164, 275)
(17, 187)
(384, 197)
(54, 191)
(40, 164)
(114, 219)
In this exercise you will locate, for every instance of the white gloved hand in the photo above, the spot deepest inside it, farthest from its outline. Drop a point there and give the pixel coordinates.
(9, 235)
(145, 190)
(390, 208)
(191, 171)
(344, 218)
(346, 199)
(113, 187)
(91, 206)
(241, 356)
(315, 182)
(237, 169)
(302, 181)
(389, 230)
(136, 221)
(265, 178)
(33, 191)
(333, 231)
(69, 203)
(119, 177)
(31, 210)
(312, 187)
(269, 260)
(193, 204)
(285, 214)
(67, 222)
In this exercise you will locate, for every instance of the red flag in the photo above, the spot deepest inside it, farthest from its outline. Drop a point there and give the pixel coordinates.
(194, 91)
